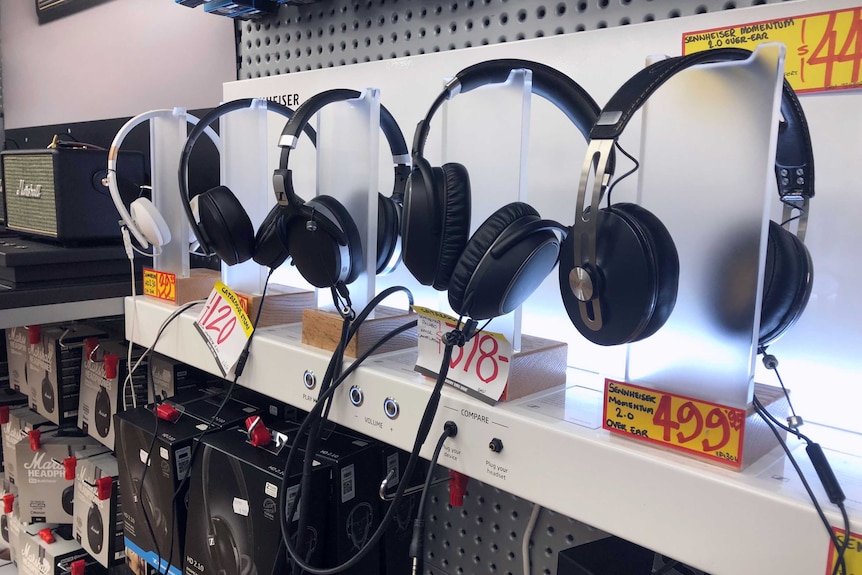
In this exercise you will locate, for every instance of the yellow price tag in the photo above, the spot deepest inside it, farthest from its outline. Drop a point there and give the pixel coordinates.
(697, 427)
(224, 326)
(824, 50)
(852, 557)
(162, 285)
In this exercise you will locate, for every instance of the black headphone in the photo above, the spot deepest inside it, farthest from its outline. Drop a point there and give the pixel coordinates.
(619, 271)
(95, 529)
(224, 550)
(510, 254)
(48, 400)
(67, 499)
(102, 412)
(225, 228)
(336, 255)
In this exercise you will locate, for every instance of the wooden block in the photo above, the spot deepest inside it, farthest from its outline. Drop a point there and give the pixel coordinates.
(197, 286)
(539, 365)
(759, 439)
(282, 305)
(322, 328)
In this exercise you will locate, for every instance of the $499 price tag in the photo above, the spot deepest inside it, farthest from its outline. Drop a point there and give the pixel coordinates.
(224, 326)
(697, 427)
(480, 368)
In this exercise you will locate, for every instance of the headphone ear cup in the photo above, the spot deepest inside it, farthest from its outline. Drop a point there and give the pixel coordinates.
(484, 286)
(223, 551)
(95, 529)
(787, 283)
(150, 222)
(270, 247)
(388, 229)
(226, 225)
(452, 184)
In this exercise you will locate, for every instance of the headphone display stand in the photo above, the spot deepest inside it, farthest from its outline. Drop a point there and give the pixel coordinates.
(347, 170)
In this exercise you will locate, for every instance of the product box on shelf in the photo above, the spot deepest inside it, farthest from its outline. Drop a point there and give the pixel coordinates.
(395, 547)
(13, 529)
(152, 469)
(233, 501)
(98, 526)
(21, 421)
(17, 345)
(168, 377)
(53, 551)
(103, 373)
(54, 370)
(46, 475)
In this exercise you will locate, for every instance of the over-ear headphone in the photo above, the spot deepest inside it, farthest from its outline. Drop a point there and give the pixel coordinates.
(102, 412)
(48, 400)
(67, 499)
(224, 227)
(224, 549)
(336, 255)
(510, 254)
(142, 218)
(619, 270)
(95, 529)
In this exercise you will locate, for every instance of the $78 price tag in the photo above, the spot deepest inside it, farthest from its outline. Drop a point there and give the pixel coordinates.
(224, 326)
(480, 368)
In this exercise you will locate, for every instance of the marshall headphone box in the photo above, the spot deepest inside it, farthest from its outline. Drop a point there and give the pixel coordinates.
(169, 377)
(146, 493)
(21, 421)
(54, 371)
(19, 534)
(103, 373)
(52, 551)
(17, 345)
(233, 501)
(98, 525)
(58, 193)
(46, 477)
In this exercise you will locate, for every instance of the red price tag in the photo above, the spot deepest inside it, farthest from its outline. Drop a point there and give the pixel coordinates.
(162, 285)
(481, 367)
(224, 326)
(687, 424)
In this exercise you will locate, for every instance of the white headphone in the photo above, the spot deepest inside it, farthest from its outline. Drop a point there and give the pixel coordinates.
(145, 222)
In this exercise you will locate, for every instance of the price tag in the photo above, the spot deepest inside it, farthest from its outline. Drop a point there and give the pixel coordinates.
(224, 326)
(852, 557)
(824, 50)
(480, 368)
(696, 427)
(162, 285)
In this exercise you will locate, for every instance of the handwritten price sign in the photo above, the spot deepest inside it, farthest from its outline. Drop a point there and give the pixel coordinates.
(480, 368)
(697, 427)
(852, 557)
(162, 285)
(824, 50)
(224, 326)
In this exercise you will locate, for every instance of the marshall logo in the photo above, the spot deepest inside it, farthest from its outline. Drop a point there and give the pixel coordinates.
(18, 340)
(44, 356)
(94, 372)
(40, 466)
(29, 190)
(32, 562)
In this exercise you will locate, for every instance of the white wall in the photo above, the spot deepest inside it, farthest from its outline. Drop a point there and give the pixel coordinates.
(113, 60)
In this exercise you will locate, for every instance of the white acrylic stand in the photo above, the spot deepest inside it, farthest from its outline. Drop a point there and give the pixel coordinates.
(707, 157)
(347, 169)
(245, 171)
(488, 131)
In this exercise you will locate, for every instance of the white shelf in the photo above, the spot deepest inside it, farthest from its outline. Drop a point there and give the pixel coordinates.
(724, 522)
(54, 312)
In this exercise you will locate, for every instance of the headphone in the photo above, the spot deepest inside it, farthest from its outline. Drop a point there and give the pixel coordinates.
(95, 529)
(619, 271)
(512, 252)
(102, 412)
(224, 227)
(225, 556)
(336, 255)
(48, 401)
(142, 218)
(67, 499)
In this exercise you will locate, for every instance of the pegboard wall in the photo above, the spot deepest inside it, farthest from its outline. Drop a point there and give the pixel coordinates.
(341, 32)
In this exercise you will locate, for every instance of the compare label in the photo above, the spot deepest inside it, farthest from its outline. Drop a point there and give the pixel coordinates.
(480, 368)
(162, 285)
(852, 557)
(697, 427)
(824, 50)
(224, 326)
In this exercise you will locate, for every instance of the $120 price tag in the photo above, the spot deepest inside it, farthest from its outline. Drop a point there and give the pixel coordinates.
(697, 427)
(224, 326)
(480, 368)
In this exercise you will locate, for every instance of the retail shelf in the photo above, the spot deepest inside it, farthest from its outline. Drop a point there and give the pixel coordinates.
(32, 305)
(555, 454)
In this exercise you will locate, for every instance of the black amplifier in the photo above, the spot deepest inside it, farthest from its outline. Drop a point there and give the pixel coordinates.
(58, 193)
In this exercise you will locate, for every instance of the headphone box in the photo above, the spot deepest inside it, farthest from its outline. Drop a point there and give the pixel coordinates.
(12, 527)
(396, 540)
(147, 493)
(169, 376)
(44, 492)
(233, 498)
(17, 345)
(97, 524)
(58, 193)
(101, 396)
(52, 550)
(21, 421)
(7, 489)
(54, 371)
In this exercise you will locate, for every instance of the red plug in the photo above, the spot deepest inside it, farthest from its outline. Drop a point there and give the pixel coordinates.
(90, 345)
(8, 500)
(4, 414)
(167, 412)
(78, 567)
(111, 361)
(35, 333)
(457, 487)
(69, 464)
(104, 485)
(258, 434)
(35, 437)
(47, 535)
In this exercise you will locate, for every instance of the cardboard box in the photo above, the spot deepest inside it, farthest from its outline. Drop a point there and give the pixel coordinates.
(396, 541)
(17, 346)
(147, 497)
(233, 502)
(98, 526)
(169, 376)
(51, 551)
(21, 421)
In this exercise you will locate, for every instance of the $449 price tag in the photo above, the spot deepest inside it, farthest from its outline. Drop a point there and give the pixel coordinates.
(224, 326)
(480, 368)
(697, 427)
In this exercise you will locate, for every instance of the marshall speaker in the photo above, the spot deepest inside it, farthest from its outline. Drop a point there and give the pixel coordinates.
(58, 193)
